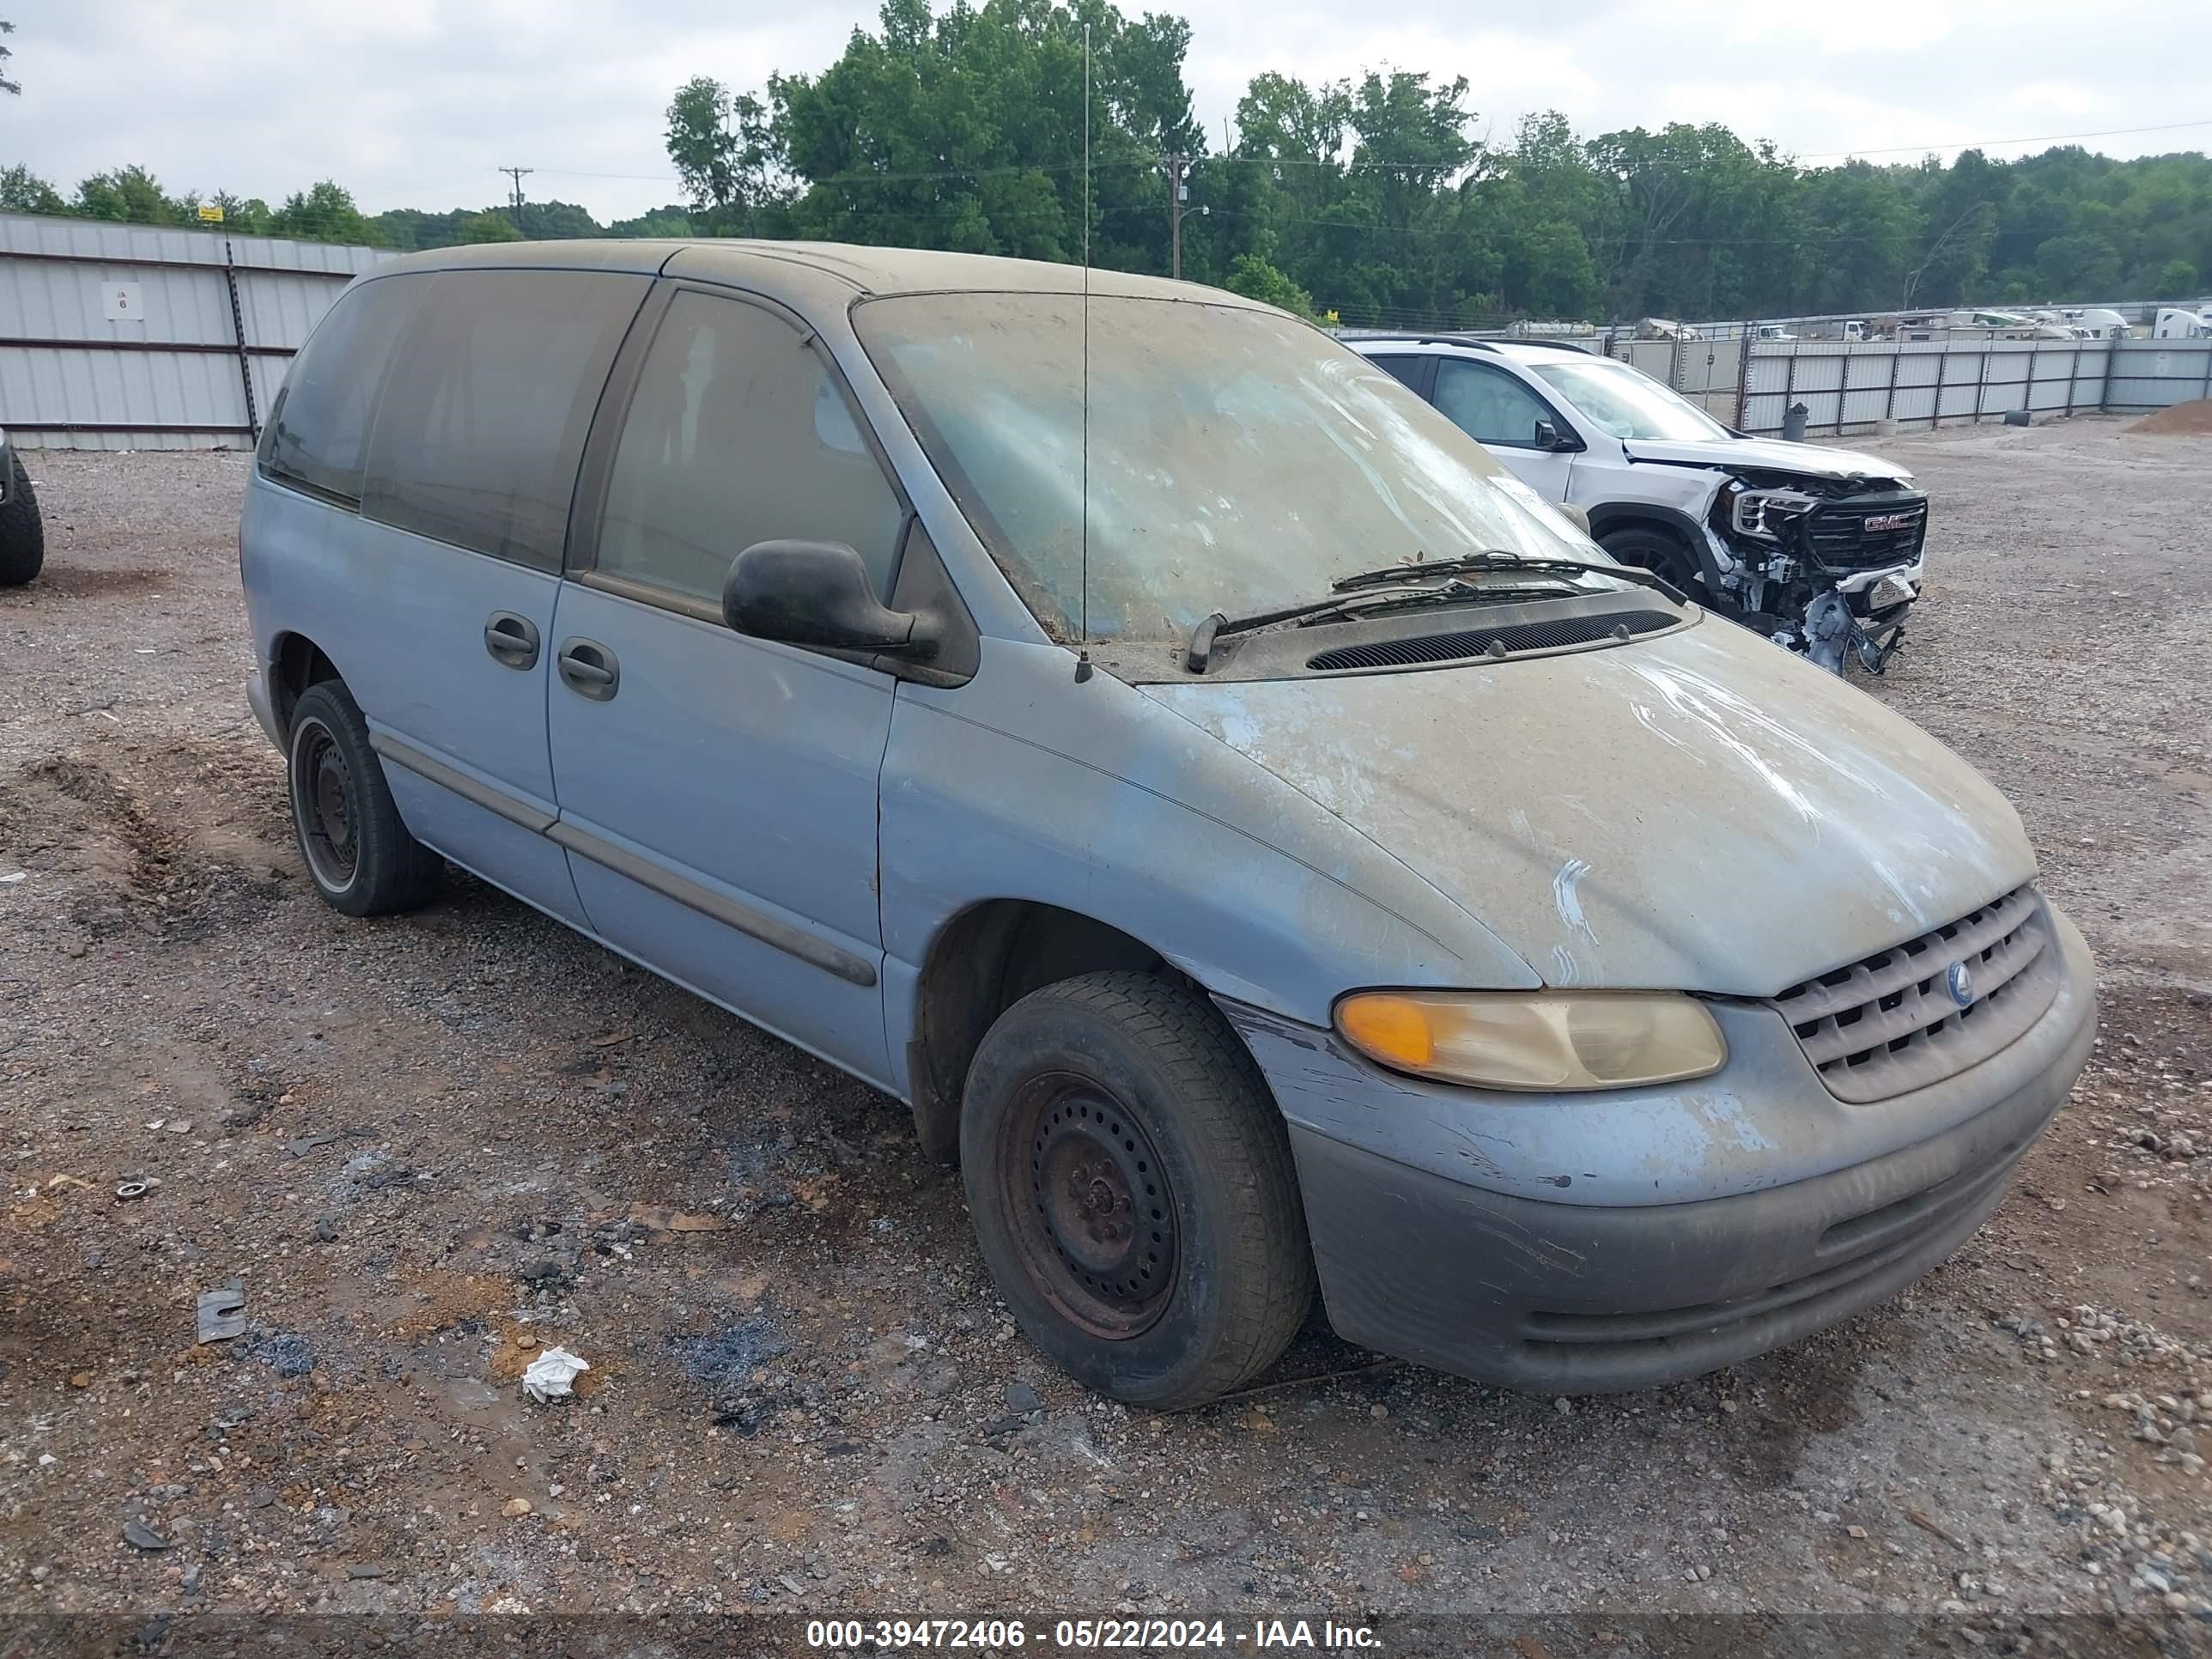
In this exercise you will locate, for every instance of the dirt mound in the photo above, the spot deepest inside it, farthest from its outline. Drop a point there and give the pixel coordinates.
(136, 846)
(2193, 418)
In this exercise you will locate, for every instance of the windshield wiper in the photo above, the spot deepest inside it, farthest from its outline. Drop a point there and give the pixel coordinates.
(1501, 560)
(1402, 585)
(1370, 599)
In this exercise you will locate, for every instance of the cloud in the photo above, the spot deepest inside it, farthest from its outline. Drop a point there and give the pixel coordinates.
(419, 102)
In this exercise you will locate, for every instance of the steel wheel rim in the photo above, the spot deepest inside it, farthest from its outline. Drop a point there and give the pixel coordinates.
(323, 806)
(1094, 1217)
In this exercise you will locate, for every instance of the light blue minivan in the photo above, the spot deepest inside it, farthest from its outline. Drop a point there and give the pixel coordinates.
(1260, 838)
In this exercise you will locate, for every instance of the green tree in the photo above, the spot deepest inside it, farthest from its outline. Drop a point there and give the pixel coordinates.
(249, 215)
(22, 191)
(723, 150)
(325, 213)
(664, 222)
(128, 195)
(554, 221)
(966, 130)
(489, 225)
(1255, 279)
(7, 85)
(2175, 278)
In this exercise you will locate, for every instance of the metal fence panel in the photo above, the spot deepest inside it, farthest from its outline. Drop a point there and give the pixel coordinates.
(1849, 387)
(120, 337)
(2158, 374)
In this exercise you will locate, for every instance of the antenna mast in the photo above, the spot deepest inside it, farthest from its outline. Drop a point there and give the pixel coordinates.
(1085, 603)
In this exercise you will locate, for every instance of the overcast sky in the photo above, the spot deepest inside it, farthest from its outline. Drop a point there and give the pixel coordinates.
(415, 103)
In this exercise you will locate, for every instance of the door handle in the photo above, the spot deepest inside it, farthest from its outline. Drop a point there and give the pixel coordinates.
(511, 640)
(588, 669)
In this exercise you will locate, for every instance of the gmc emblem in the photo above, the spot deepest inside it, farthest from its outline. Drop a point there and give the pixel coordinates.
(1881, 521)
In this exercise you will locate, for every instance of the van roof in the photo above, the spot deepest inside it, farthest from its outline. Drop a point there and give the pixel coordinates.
(824, 270)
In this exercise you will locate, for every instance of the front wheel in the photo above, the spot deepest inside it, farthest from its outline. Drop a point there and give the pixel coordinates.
(1132, 1189)
(1660, 553)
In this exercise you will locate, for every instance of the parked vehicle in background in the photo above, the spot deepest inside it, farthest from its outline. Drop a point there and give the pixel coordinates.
(1818, 547)
(2174, 324)
(22, 534)
(2095, 322)
(1300, 851)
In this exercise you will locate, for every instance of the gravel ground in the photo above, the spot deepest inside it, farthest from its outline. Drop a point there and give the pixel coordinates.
(426, 1149)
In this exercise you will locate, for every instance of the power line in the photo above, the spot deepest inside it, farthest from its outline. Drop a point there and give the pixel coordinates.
(1991, 143)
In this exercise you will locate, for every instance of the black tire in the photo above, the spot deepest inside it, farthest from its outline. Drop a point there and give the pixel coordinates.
(22, 535)
(1659, 551)
(1090, 1103)
(360, 855)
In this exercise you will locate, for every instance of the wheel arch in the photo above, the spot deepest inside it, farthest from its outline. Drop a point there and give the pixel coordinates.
(296, 662)
(981, 961)
(1610, 518)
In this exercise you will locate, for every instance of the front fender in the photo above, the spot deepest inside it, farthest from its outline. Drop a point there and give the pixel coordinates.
(1026, 784)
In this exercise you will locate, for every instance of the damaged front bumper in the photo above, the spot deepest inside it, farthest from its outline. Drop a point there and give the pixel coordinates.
(1589, 1243)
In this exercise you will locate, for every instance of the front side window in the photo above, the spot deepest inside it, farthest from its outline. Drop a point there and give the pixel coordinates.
(1489, 405)
(318, 432)
(738, 435)
(1626, 403)
(1229, 459)
(481, 424)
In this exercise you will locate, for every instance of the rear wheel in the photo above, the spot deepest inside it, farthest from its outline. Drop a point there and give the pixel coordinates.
(1658, 551)
(1132, 1189)
(22, 535)
(363, 860)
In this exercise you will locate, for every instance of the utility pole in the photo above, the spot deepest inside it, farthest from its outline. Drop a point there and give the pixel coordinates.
(514, 195)
(1178, 200)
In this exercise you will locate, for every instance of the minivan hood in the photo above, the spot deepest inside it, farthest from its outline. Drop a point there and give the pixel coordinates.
(1815, 459)
(1698, 811)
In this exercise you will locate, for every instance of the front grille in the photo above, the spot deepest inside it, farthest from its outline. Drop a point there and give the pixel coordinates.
(1890, 1024)
(1838, 532)
(1502, 641)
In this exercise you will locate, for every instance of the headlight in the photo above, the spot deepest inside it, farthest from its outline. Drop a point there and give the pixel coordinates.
(1536, 1041)
(1765, 513)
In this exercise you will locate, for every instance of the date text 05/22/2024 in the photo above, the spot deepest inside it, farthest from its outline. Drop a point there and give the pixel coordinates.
(1085, 1634)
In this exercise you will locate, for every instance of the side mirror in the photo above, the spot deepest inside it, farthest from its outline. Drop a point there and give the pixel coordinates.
(1547, 437)
(1574, 515)
(816, 593)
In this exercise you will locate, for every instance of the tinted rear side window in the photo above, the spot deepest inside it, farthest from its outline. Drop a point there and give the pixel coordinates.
(483, 420)
(1408, 371)
(317, 432)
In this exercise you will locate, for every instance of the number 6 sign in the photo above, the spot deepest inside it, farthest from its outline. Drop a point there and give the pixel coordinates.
(119, 302)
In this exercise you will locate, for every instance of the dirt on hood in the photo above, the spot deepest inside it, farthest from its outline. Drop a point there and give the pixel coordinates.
(2191, 419)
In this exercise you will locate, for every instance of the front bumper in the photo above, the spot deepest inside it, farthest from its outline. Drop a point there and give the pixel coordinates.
(1581, 1297)
(257, 696)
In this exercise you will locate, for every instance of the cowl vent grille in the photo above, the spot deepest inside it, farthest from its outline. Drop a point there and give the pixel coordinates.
(1511, 640)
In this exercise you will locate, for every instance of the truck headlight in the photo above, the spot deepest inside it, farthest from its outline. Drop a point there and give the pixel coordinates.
(1765, 513)
(1536, 1040)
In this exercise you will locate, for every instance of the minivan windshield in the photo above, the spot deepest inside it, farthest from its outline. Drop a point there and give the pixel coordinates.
(1237, 460)
(1627, 403)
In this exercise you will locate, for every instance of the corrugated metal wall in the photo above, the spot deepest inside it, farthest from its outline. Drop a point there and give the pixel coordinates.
(1850, 387)
(124, 336)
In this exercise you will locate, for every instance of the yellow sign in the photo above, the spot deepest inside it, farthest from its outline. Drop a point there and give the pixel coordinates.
(211, 212)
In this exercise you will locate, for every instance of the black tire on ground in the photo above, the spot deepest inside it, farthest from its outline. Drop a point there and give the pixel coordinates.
(1132, 1189)
(362, 858)
(1659, 551)
(23, 536)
